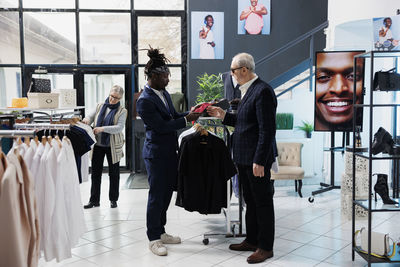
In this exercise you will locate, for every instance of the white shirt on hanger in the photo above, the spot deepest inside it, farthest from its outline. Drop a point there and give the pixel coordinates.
(58, 243)
(68, 173)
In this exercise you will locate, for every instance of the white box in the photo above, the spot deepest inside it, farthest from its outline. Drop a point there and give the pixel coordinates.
(67, 98)
(43, 100)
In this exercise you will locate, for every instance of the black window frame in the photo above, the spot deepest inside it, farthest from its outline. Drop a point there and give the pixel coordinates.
(80, 69)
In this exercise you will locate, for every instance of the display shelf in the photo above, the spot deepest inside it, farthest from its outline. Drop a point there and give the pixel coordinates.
(335, 149)
(379, 54)
(41, 109)
(395, 259)
(372, 206)
(380, 156)
(378, 206)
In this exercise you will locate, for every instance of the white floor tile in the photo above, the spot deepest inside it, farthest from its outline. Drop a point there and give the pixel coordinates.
(330, 243)
(111, 258)
(89, 250)
(301, 237)
(294, 260)
(313, 252)
(307, 234)
(116, 242)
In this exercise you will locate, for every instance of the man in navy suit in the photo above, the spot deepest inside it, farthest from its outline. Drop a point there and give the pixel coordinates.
(253, 153)
(160, 148)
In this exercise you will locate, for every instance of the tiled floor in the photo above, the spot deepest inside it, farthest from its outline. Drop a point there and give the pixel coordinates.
(307, 234)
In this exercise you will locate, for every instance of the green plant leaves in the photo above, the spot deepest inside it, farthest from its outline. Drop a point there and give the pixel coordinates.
(210, 87)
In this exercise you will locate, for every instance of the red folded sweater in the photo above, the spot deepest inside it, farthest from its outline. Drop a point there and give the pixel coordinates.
(202, 108)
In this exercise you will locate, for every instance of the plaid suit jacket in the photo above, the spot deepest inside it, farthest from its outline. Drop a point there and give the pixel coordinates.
(255, 126)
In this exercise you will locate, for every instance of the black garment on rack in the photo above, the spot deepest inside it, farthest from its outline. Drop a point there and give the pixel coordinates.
(204, 167)
(80, 141)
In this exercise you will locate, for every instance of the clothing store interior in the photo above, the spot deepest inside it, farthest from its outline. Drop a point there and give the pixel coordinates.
(199, 133)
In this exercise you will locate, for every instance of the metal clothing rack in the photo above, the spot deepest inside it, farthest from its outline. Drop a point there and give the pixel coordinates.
(230, 225)
(42, 126)
(49, 114)
(14, 133)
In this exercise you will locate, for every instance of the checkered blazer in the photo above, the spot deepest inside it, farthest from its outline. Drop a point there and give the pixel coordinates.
(255, 126)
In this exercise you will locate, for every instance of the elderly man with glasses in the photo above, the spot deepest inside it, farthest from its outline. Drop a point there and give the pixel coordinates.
(253, 153)
(109, 121)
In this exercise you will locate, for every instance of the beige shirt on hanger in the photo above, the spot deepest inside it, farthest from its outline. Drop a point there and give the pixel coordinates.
(15, 231)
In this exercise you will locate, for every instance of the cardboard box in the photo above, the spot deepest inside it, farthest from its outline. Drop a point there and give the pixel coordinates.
(43, 100)
(67, 98)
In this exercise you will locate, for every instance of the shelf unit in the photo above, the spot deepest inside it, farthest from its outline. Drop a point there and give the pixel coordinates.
(369, 204)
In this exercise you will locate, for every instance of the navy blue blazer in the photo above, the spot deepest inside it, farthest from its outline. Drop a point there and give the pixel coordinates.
(160, 124)
(255, 126)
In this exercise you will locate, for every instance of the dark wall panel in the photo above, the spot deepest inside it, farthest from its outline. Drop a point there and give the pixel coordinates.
(289, 20)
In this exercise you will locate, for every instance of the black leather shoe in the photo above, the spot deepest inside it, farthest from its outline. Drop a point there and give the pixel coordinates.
(91, 205)
(113, 204)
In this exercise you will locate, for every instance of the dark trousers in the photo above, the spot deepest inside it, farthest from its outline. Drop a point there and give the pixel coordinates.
(97, 170)
(162, 178)
(260, 217)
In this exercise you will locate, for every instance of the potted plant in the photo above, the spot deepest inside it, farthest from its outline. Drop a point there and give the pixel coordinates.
(307, 128)
(211, 87)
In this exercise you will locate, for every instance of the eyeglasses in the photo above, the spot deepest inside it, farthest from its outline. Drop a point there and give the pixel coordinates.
(233, 70)
(115, 98)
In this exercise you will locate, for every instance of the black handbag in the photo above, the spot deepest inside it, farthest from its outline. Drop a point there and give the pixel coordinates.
(40, 86)
(387, 80)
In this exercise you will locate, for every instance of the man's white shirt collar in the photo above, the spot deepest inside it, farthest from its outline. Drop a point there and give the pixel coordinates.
(160, 95)
(243, 88)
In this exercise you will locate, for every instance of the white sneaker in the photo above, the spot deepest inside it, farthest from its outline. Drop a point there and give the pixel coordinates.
(169, 239)
(158, 248)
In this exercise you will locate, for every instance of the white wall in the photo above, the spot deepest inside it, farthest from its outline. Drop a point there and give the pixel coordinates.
(302, 106)
(350, 28)
(341, 11)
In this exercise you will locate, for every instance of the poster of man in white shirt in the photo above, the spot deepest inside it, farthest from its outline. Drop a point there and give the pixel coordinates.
(386, 33)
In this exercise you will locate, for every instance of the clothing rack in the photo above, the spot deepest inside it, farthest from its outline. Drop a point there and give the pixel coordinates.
(14, 133)
(230, 224)
(42, 126)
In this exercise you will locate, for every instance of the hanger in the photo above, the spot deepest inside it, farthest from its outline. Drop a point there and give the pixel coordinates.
(44, 140)
(203, 133)
(200, 129)
(27, 141)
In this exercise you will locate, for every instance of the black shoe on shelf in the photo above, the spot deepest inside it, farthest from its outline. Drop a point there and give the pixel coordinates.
(91, 205)
(382, 142)
(381, 187)
(113, 204)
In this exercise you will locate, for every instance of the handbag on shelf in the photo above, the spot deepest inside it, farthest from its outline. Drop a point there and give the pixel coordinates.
(40, 86)
(387, 80)
(380, 244)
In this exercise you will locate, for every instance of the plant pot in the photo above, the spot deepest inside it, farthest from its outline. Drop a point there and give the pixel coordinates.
(308, 134)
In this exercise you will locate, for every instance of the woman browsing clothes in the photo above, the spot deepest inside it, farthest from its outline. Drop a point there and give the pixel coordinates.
(109, 121)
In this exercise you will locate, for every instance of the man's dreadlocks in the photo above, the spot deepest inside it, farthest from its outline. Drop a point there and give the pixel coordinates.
(157, 63)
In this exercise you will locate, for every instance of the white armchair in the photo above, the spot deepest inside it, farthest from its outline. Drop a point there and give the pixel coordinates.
(289, 159)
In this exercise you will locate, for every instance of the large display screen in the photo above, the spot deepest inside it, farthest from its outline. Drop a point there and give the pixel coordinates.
(334, 90)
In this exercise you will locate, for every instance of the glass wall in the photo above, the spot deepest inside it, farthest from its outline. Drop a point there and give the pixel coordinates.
(105, 4)
(10, 85)
(49, 3)
(108, 36)
(9, 3)
(105, 38)
(9, 41)
(50, 38)
(159, 4)
(160, 32)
